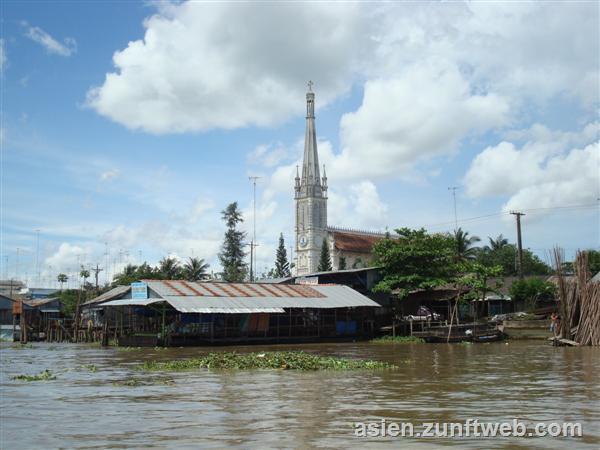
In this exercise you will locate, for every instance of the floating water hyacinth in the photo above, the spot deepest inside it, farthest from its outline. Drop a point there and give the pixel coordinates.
(43, 376)
(269, 360)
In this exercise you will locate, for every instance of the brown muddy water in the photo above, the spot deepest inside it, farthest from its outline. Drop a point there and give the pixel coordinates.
(91, 408)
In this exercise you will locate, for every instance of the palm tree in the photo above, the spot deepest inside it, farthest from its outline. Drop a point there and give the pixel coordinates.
(465, 249)
(195, 269)
(85, 274)
(169, 268)
(498, 243)
(62, 278)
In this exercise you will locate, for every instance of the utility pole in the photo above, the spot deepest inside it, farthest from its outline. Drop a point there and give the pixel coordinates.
(519, 242)
(96, 271)
(453, 189)
(253, 242)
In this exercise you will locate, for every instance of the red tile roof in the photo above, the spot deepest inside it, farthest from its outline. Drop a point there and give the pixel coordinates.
(355, 242)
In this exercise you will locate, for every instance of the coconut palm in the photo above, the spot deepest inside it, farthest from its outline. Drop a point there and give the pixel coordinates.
(465, 249)
(194, 269)
(169, 268)
(497, 243)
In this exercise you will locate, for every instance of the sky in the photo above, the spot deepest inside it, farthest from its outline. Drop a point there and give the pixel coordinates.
(127, 127)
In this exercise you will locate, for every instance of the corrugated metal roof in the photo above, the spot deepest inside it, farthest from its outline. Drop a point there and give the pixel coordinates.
(180, 288)
(113, 293)
(243, 298)
(41, 301)
(132, 302)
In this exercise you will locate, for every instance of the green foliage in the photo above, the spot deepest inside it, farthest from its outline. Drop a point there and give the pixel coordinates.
(62, 278)
(282, 266)
(133, 273)
(506, 257)
(397, 340)
(531, 290)
(465, 249)
(477, 280)
(194, 269)
(416, 260)
(169, 269)
(268, 360)
(342, 263)
(325, 258)
(497, 243)
(232, 251)
(68, 298)
(42, 376)
(84, 273)
(594, 261)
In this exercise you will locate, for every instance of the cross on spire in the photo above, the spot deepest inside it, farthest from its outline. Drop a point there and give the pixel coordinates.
(310, 85)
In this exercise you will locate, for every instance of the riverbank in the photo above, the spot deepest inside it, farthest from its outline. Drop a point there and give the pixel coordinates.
(280, 408)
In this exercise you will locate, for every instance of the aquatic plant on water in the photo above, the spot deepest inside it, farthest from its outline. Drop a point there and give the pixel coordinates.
(43, 376)
(268, 360)
(397, 340)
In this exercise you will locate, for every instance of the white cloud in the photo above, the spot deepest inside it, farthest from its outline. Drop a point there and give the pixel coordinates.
(51, 45)
(425, 112)
(268, 155)
(200, 206)
(110, 175)
(543, 173)
(66, 257)
(224, 65)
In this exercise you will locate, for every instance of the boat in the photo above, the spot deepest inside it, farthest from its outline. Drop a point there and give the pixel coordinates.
(461, 333)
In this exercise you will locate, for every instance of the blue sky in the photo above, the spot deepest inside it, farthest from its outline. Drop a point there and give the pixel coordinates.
(128, 126)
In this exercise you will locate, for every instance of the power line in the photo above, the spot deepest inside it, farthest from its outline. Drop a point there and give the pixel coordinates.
(529, 210)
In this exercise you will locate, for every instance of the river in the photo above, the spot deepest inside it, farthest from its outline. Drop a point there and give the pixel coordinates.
(91, 405)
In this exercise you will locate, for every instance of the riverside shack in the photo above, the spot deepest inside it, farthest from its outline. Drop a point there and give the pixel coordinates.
(177, 312)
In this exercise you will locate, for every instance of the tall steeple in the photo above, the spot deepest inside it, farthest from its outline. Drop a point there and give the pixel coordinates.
(310, 168)
(311, 198)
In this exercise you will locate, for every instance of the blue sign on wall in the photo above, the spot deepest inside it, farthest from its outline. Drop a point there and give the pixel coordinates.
(139, 290)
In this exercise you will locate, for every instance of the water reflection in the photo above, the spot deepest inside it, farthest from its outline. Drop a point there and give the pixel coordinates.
(445, 383)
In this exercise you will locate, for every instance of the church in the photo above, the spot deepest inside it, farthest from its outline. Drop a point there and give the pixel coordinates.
(348, 248)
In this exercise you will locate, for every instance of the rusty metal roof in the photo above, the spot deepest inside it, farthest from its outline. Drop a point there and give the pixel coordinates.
(240, 298)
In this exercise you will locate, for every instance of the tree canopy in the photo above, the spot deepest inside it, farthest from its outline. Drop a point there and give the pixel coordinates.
(282, 266)
(194, 269)
(325, 258)
(465, 245)
(232, 250)
(506, 257)
(415, 260)
(531, 290)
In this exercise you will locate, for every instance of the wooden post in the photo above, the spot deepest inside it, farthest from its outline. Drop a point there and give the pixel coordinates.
(290, 324)
(394, 328)
(411, 326)
(105, 331)
(24, 326)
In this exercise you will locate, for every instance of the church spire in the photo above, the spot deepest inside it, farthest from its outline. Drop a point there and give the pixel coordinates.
(310, 166)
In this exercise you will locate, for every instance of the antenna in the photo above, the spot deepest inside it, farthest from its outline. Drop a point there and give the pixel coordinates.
(253, 243)
(453, 189)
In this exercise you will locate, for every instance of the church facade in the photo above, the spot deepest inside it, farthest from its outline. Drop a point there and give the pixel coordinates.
(348, 248)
